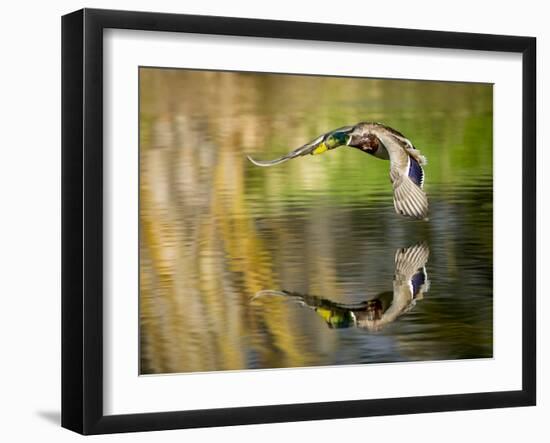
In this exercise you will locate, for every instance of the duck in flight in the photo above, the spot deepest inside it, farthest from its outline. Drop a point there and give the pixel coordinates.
(381, 141)
(410, 283)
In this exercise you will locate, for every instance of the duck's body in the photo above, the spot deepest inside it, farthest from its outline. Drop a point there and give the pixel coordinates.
(406, 173)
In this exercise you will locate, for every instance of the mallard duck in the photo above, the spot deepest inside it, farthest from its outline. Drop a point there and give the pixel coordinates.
(406, 173)
(410, 283)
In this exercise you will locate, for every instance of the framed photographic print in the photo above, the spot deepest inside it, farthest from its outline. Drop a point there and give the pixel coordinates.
(269, 221)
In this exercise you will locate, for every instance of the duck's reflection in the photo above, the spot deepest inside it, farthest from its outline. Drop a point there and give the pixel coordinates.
(410, 283)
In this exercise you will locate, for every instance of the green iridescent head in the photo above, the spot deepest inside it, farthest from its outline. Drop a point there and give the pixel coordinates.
(337, 139)
(331, 141)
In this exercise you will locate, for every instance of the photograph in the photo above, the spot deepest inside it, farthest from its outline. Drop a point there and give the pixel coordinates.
(291, 220)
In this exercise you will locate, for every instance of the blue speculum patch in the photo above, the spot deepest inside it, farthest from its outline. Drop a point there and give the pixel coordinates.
(418, 280)
(416, 172)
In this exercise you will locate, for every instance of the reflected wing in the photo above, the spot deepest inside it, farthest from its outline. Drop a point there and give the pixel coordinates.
(410, 281)
(336, 315)
(410, 272)
(311, 301)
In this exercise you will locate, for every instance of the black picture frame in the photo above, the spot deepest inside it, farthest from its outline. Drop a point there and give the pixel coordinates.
(82, 220)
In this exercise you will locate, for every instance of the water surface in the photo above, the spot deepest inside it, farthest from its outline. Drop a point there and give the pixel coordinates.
(319, 234)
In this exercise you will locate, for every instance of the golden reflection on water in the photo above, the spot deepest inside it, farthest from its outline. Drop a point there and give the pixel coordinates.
(215, 230)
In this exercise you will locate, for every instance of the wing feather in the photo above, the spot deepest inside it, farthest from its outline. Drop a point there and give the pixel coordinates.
(301, 151)
(306, 149)
(406, 174)
(411, 279)
(408, 198)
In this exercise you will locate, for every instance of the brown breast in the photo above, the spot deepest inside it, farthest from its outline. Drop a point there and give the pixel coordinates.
(369, 143)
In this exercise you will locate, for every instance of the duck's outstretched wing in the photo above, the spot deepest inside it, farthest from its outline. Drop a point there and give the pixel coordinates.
(316, 146)
(407, 177)
(306, 149)
(406, 173)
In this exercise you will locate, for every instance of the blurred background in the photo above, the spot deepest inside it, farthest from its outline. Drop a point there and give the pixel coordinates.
(215, 229)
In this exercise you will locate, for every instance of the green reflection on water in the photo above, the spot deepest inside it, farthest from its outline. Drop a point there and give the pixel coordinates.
(215, 230)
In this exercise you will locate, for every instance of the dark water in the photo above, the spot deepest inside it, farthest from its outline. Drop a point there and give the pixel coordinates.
(295, 265)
